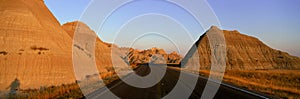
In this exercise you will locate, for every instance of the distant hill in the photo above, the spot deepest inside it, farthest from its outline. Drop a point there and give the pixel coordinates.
(245, 53)
(153, 55)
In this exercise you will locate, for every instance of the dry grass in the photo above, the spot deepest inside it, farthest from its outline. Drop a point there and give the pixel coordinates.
(281, 83)
(70, 91)
(94, 82)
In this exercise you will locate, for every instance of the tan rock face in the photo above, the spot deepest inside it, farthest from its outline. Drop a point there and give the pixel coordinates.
(174, 58)
(89, 49)
(38, 51)
(246, 52)
(35, 49)
(153, 55)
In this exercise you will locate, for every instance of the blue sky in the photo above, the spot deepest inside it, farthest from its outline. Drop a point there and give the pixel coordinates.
(275, 22)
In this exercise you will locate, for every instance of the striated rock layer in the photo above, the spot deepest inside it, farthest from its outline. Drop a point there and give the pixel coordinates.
(245, 53)
(38, 51)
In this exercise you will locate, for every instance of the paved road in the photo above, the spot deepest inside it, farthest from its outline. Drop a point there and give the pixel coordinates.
(165, 86)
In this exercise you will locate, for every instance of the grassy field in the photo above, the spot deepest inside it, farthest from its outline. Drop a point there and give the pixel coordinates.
(280, 83)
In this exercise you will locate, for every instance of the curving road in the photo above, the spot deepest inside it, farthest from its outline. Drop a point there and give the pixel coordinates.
(165, 86)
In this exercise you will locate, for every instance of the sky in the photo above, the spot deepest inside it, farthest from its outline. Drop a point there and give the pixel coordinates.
(275, 22)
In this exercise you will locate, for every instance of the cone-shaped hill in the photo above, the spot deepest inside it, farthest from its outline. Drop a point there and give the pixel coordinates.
(245, 53)
(34, 48)
(88, 44)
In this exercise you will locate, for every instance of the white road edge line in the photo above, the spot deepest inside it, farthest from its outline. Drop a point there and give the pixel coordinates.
(227, 85)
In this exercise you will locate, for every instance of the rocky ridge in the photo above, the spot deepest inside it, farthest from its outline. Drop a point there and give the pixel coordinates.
(153, 55)
(245, 53)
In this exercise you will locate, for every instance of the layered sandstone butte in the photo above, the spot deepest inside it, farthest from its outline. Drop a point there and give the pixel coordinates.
(153, 55)
(245, 53)
(90, 54)
(36, 50)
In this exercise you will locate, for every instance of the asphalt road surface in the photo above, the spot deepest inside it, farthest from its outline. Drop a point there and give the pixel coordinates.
(165, 86)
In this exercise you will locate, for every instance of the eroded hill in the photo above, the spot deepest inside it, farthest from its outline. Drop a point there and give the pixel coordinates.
(245, 53)
(35, 49)
(153, 55)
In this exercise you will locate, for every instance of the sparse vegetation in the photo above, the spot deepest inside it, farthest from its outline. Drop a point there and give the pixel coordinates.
(20, 51)
(108, 79)
(281, 83)
(93, 82)
(109, 45)
(109, 76)
(3, 53)
(77, 46)
(39, 48)
(70, 91)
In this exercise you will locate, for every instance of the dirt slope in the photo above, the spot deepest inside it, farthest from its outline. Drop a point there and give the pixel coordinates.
(33, 46)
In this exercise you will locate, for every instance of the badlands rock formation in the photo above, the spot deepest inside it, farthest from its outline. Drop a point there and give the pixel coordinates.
(38, 51)
(245, 53)
(88, 49)
(35, 48)
(153, 55)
